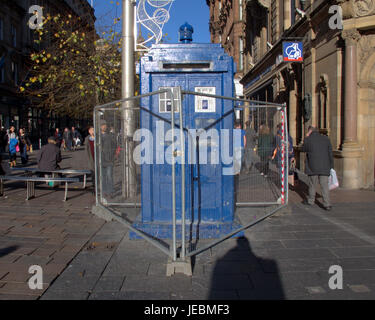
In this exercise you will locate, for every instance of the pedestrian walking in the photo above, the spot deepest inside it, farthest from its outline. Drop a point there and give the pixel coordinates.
(251, 141)
(238, 151)
(108, 143)
(58, 137)
(24, 144)
(68, 139)
(319, 162)
(265, 149)
(90, 152)
(77, 138)
(13, 146)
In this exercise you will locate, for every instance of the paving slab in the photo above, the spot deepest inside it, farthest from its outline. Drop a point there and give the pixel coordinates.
(286, 256)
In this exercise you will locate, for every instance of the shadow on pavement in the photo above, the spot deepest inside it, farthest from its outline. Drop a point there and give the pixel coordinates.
(8, 250)
(259, 286)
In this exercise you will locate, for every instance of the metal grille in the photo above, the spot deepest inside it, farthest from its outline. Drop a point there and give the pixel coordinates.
(189, 181)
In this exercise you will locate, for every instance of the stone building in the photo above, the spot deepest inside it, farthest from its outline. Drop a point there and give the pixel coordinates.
(16, 44)
(227, 27)
(332, 89)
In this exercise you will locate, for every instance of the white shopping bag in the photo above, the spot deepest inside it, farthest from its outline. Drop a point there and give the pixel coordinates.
(333, 182)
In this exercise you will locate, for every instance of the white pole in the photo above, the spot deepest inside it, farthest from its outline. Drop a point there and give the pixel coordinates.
(127, 90)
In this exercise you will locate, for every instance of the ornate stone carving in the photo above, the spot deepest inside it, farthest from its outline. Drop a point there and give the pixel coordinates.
(367, 47)
(363, 8)
(351, 37)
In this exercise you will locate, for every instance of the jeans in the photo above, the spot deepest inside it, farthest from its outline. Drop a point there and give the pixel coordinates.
(107, 178)
(323, 181)
(249, 158)
(23, 152)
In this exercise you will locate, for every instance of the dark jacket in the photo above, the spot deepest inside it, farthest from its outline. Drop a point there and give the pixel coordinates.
(68, 136)
(279, 145)
(49, 157)
(265, 146)
(90, 159)
(251, 138)
(319, 157)
(24, 140)
(108, 143)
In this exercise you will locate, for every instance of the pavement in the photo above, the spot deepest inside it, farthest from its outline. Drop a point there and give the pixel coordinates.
(287, 256)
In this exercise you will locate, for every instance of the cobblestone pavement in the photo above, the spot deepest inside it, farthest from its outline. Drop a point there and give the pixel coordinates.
(287, 256)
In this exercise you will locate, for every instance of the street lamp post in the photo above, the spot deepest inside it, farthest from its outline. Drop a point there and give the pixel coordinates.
(127, 90)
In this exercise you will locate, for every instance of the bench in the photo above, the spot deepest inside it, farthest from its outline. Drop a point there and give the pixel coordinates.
(30, 184)
(53, 172)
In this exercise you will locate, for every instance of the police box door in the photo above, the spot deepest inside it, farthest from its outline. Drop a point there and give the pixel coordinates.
(162, 170)
(204, 114)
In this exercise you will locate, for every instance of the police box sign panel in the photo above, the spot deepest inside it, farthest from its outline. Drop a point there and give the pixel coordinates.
(205, 104)
(293, 51)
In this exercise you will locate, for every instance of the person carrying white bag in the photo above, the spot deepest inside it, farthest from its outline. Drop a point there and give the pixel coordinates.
(319, 162)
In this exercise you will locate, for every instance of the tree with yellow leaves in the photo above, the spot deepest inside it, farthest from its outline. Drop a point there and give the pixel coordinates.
(76, 69)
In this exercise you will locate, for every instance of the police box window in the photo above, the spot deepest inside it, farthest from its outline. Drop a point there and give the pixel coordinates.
(165, 102)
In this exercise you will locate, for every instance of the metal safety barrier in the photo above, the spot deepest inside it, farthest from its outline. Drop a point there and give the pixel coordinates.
(173, 213)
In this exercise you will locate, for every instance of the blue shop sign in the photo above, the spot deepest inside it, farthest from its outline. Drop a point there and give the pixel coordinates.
(293, 51)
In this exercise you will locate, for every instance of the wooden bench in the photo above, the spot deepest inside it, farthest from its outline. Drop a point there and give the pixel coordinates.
(53, 172)
(30, 183)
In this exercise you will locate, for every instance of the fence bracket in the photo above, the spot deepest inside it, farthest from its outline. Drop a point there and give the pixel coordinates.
(179, 266)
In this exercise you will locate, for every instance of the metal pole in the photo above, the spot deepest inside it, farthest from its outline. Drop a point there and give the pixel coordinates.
(127, 89)
(96, 157)
(287, 154)
(182, 139)
(173, 182)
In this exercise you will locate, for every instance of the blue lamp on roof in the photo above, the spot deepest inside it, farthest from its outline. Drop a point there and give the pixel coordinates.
(186, 33)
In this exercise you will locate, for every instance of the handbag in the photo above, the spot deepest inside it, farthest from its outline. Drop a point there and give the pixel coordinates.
(333, 182)
(17, 148)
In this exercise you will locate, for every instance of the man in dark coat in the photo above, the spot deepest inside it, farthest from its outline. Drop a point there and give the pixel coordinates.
(251, 142)
(108, 149)
(49, 156)
(319, 162)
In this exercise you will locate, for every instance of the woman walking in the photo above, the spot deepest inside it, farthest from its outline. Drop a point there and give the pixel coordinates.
(13, 146)
(24, 146)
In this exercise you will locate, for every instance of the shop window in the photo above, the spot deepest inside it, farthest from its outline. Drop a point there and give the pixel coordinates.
(14, 67)
(13, 34)
(1, 28)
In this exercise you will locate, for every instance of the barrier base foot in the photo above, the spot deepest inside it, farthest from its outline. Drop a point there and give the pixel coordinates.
(99, 212)
(179, 266)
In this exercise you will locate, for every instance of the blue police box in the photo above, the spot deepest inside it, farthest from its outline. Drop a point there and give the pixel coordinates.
(210, 199)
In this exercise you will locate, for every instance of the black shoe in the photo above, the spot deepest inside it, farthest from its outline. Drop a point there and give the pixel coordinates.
(329, 208)
(306, 203)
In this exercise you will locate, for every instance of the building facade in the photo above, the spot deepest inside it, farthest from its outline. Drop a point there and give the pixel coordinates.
(227, 26)
(16, 45)
(332, 89)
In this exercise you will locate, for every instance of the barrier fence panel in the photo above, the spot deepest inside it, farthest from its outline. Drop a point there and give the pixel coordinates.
(188, 180)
